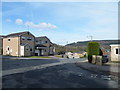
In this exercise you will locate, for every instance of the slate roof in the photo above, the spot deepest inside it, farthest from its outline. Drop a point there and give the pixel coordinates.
(2, 36)
(16, 34)
(43, 37)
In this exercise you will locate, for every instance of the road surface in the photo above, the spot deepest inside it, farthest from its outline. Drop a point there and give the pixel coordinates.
(62, 73)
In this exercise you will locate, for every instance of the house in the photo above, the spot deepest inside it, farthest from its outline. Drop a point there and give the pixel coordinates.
(19, 44)
(43, 46)
(115, 52)
(26, 44)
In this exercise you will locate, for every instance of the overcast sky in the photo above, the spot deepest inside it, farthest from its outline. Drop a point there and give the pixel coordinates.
(62, 22)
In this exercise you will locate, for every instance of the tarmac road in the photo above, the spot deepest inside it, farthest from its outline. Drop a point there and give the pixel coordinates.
(64, 74)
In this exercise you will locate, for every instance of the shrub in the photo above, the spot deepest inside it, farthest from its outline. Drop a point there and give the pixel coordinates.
(101, 53)
(93, 48)
(61, 52)
(1, 51)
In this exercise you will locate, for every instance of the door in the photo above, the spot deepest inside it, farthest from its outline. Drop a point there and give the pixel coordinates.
(41, 52)
(22, 51)
(8, 50)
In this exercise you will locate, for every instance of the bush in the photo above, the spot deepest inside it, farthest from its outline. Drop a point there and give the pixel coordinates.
(61, 52)
(93, 48)
(1, 51)
(101, 53)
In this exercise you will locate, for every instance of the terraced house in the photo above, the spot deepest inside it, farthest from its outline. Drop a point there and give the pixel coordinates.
(23, 44)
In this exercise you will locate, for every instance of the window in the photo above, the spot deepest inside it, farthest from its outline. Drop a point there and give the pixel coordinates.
(8, 48)
(29, 38)
(45, 50)
(23, 38)
(27, 48)
(45, 41)
(31, 49)
(117, 51)
(8, 39)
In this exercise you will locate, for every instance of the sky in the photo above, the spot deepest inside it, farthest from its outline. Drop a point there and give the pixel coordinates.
(62, 22)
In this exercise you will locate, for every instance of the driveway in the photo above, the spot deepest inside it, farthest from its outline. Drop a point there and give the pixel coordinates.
(62, 73)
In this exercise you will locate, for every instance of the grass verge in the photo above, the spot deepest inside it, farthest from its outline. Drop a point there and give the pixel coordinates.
(38, 57)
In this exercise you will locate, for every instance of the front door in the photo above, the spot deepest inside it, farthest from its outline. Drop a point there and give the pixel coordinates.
(22, 50)
(8, 50)
(41, 52)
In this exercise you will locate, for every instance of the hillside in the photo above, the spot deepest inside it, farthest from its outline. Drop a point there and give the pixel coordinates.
(102, 43)
(82, 46)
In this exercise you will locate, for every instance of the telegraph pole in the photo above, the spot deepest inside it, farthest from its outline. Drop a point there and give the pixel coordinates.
(66, 46)
(91, 37)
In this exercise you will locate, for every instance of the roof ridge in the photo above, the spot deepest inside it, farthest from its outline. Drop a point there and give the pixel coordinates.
(16, 34)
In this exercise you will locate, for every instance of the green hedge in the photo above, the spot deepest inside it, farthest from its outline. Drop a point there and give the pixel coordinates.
(93, 48)
(1, 51)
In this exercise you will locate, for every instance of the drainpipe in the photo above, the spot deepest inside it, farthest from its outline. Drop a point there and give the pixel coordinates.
(19, 46)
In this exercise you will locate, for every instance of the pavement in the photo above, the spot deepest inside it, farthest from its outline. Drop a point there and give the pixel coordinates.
(108, 68)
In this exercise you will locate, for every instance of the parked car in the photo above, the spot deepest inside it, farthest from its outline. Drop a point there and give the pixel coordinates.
(105, 59)
(72, 55)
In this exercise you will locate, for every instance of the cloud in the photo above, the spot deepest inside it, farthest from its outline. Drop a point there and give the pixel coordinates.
(8, 20)
(19, 21)
(41, 26)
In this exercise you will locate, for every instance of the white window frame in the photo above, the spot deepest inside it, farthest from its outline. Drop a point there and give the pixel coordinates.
(118, 51)
(29, 38)
(7, 48)
(23, 38)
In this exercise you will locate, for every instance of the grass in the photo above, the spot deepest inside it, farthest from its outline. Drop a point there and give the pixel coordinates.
(59, 56)
(38, 57)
